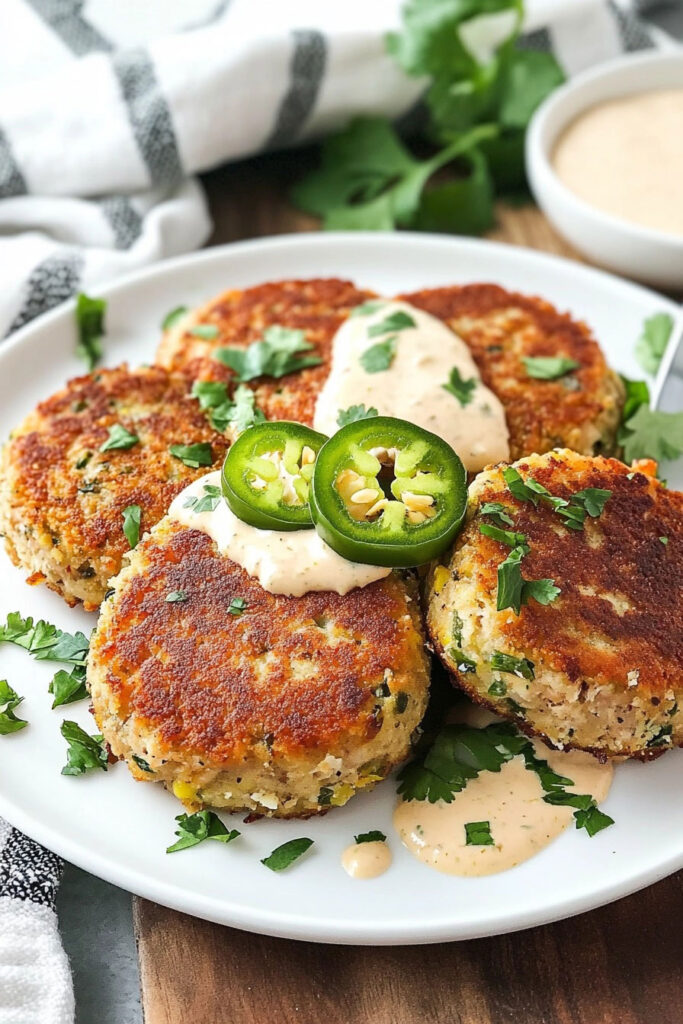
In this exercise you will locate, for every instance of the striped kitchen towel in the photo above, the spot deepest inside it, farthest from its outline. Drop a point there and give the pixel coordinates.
(107, 110)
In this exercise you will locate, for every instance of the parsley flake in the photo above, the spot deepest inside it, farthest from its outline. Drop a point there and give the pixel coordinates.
(397, 321)
(90, 324)
(355, 413)
(43, 640)
(367, 308)
(521, 667)
(654, 338)
(238, 412)
(283, 856)
(84, 752)
(206, 331)
(237, 606)
(67, 687)
(508, 537)
(374, 836)
(193, 455)
(664, 541)
(172, 318)
(119, 437)
(210, 500)
(9, 701)
(195, 828)
(498, 511)
(549, 367)
(460, 388)
(131, 524)
(478, 833)
(498, 688)
(276, 354)
(380, 356)
(176, 597)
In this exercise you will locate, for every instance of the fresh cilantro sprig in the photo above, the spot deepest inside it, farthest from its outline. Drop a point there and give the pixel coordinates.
(224, 412)
(573, 510)
(355, 413)
(654, 338)
(208, 502)
(462, 389)
(650, 434)
(67, 687)
(9, 702)
(119, 437)
(380, 356)
(283, 856)
(84, 752)
(549, 367)
(496, 510)
(132, 515)
(193, 455)
(513, 589)
(275, 354)
(195, 828)
(43, 640)
(90, 326)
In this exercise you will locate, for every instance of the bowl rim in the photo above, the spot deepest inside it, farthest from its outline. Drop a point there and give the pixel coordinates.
(537, 148)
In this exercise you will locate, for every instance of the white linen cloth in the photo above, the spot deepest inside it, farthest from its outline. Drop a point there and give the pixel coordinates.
(107, 110)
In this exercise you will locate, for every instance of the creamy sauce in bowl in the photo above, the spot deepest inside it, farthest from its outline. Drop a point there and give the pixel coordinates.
(625, 157)
(366, 860)
(293, 562)
(411, 386)
(510, 801)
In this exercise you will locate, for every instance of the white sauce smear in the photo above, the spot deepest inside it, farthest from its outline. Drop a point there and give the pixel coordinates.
(411, 388)
(293, 562)
(510, 800)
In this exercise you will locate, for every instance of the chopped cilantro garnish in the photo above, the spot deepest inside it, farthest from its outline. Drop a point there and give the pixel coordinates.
(508, 537)
(652, 434)
(521, 667)
(195, 828)
(283, 856)
(380, 356)
(462, 663)
(549, 367)
(367, 308)
(193, 455)
(206, 331)
(172, 318)
(651, 344)
(43, 640)
(119, 437)
(9, 701)
(90, 324)
(573, 510)
(664, 541)
(238, 413)
(131, 524)
(459, 387)
(237, 606)
(355, 413)
(68, 687)
(210, 500)
(397, 321)
(176, 597)
(374, 836)
(84, 752)
(513, 589)
(498, 688)
(478, 833)
(141, 763)
(498, 511)
(274, 355)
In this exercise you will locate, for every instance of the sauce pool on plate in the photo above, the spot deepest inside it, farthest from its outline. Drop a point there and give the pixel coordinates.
(366, 860)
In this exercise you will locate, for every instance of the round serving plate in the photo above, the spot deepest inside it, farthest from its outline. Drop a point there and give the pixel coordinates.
(118, 829)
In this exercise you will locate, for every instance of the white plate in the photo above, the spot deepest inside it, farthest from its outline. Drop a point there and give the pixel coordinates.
(118, 829)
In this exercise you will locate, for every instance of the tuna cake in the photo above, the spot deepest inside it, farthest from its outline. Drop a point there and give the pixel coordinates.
(286, 708)
(62, 497)
(599, 667)
(580, 410)
(318, 307)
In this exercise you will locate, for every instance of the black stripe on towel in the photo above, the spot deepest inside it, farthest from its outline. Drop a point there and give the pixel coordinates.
(633, 33)
(53, 281)
(65, 18)
(12, 181)
(28, 871)
(124, 219)
(149, 116)
(306, 73)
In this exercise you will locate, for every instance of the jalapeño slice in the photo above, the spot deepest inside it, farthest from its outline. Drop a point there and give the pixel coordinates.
(267, 475)
(386, 492)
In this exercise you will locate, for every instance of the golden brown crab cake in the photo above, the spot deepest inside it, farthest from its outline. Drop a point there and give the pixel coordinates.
(580, 410)
(318, 307)
(287, 708)
(62, 497)
(598, 668)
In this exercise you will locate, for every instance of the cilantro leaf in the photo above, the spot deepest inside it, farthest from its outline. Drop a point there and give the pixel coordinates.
(193, 455)
(521, 667)
(172, 318)
(380, 356)
(651, 344)
(498, 511)
(397, 321)
(9, 701)
(67, 687)
(544, 591)
(206, 331)
(374, 836)
(142, 764)
(238, 413)
(549, 367)
(84, 752)
(209, 502)
(195, 828)
(652, 434)
(367, 308)
(283, 856)
(637, 394)
(90, 325)
(131, 524)
(237, 606)
(478, 833)
(460, 388)
(43, 640)
(462, 663)
(119, 437)
(593, 499)
(355, 413)
(510, 580)
(244, 412)
(508, 537)
(274, 355)
(497, 688)
(176, 597)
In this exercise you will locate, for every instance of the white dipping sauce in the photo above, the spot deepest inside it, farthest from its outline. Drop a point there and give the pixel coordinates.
(625, 157)
(366, 860)
(412, 387)
(510, 800)
(293, 562)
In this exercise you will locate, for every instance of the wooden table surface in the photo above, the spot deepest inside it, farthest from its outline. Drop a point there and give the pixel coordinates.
(621, 964)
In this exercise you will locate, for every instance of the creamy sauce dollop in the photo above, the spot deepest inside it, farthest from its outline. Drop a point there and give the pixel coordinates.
(412, 386)
(510, 800)
(625, 156)
(293, 562)
(366, 860)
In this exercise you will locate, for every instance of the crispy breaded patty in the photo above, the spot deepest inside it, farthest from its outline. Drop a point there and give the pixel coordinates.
(603, 669)
(62, 499)
(317, 306)
(285, 709)
(580, 411)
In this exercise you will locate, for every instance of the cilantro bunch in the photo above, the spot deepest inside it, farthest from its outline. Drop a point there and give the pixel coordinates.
(478, 106)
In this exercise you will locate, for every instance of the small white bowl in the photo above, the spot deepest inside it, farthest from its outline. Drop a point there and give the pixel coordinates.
(654, 257)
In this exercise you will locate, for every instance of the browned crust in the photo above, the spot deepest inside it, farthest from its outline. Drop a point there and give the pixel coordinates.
(191, 671)
(318, 307)
(500, 328)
